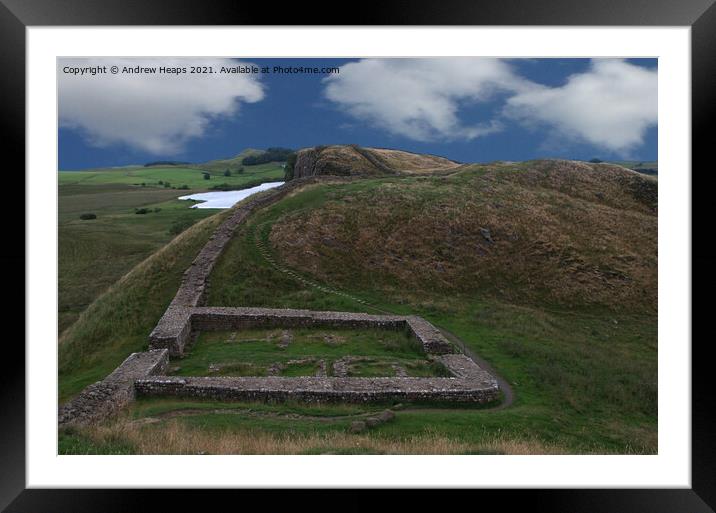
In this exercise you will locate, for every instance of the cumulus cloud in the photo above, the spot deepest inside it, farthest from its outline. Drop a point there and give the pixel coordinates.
(611, 105)
(157, 113)
(421, 98)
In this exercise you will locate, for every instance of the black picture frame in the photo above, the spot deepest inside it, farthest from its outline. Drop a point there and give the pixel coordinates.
(17, 15)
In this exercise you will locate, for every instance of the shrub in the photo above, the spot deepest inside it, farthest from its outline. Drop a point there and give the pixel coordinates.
(160, 182)
(157, 209)
(88, 216)
(270, 155)
(207, 176)
(184, 187)
(166, 163)
(179, 225)
(167, 184)
(288, 169)
(227, 172)
(141, 210)
(240, 170)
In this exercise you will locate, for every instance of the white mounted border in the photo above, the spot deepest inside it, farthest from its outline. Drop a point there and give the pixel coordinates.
(671, 468)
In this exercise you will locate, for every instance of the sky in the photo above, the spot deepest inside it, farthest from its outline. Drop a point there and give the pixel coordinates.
(466, 109)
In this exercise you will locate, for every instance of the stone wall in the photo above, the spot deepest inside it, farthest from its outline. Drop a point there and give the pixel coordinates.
(222, 318)
(173, 331)
(178, 323)
(428, 335)
(104, 398)
(480, 389)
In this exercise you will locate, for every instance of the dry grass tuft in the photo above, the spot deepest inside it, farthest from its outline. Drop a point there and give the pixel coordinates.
(174, 437)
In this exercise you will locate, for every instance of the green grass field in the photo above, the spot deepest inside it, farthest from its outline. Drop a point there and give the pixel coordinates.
(93, 254)
(252, 352)
(176, 176)
(584, 375)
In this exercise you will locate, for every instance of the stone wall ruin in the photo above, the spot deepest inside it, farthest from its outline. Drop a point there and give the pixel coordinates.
(143, 374)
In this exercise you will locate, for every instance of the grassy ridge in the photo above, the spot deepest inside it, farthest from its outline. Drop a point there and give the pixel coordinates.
(559, 234)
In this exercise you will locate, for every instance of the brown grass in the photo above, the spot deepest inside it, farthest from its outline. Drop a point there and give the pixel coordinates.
(352, 160)
(413, 162)
(559, 232)
(173, 437)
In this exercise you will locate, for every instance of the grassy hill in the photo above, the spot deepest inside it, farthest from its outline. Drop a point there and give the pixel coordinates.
(233, 164)
(546, 232)
(546, 269)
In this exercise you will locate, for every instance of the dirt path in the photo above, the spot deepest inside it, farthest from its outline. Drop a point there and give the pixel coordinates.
(508, 393)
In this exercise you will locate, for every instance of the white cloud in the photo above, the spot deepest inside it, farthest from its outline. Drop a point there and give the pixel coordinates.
(157, 113)
(421, 98)
(610, 106)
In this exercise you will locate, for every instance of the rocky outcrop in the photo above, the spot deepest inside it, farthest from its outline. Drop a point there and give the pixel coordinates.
(339, 161)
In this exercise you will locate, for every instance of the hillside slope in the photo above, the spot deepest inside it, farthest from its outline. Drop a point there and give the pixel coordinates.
(543, 232)
(353, 160)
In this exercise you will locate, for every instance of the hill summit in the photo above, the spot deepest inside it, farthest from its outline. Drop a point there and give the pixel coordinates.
(352, 160)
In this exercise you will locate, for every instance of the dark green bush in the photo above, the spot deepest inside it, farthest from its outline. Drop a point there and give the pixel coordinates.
(179, 226)
(270, 155)
(88, 216)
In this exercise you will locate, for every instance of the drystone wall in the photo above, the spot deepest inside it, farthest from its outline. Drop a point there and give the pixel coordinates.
(469, 384)
(312, 389)
(104, 398)
(175, 329)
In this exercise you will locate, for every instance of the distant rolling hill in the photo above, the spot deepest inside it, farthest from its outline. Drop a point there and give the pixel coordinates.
(650, 167)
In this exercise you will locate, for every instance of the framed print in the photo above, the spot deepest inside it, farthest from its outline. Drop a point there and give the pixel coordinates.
(426, 250)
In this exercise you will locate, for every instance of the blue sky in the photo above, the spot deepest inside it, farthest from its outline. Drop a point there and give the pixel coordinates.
(470, 110)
